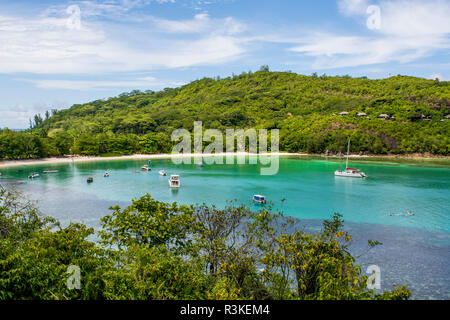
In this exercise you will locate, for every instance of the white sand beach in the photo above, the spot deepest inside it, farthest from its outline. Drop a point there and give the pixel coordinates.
(69, 159)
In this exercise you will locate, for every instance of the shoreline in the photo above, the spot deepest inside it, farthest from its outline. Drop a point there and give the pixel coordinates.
(70, 159)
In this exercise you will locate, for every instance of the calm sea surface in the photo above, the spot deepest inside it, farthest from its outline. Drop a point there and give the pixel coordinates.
(415, 250)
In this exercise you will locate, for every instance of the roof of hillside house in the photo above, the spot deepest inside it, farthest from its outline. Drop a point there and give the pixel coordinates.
(383, 115)
(343, 113)
(361, 114)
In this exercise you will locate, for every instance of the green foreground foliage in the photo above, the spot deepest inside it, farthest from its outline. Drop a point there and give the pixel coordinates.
(305, 108)
(155, 250)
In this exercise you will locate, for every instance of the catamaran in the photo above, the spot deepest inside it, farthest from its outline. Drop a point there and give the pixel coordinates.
(349, 172)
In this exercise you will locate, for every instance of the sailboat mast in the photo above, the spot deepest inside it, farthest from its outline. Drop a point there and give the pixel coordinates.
(348, 149)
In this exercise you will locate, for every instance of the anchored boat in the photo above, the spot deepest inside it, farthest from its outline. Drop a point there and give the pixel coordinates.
(146, 168)
(162, 173)
(349, 172)
(174, 181)
(50, 171)
(90, 179)
(33, 175)
(259, 198)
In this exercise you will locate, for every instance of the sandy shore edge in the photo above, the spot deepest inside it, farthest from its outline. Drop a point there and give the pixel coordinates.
(70, 159)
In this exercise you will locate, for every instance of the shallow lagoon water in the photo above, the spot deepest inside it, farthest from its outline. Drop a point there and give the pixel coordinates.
(415, 248)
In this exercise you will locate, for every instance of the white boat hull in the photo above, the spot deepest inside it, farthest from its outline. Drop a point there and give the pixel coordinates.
(259, 201)
(174, 181)
(174, 185)
(349, 174)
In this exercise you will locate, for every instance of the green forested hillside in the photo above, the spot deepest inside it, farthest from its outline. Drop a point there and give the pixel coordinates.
(305, 109)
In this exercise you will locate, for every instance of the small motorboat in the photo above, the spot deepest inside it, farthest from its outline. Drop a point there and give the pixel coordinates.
(33, 175)
(49, 171)
(259, 198)
(162, 173)
(90, 179)
(174, 181)
(106, 174)
(146, 168)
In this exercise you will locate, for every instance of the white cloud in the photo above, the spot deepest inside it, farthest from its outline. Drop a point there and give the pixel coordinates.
(436, 76)
(200, 24)
(145, 82)
(18, 116)
(207, 51)
(416, 18)
(109, 7)
(45, 45)
(333, 51)
(409, 30)
(352, 7)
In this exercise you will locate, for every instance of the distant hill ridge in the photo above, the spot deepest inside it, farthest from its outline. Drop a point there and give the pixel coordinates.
(315, 114)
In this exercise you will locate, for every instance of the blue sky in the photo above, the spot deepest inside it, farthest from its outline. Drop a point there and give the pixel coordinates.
(57, 53)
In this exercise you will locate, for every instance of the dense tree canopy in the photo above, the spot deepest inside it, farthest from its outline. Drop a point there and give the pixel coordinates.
(306, 109)
(155, 250)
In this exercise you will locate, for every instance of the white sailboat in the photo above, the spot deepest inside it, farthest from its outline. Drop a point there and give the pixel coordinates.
(349, 172)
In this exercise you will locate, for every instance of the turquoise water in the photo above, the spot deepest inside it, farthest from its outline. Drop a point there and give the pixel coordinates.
(415, 250)
(309, 187)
